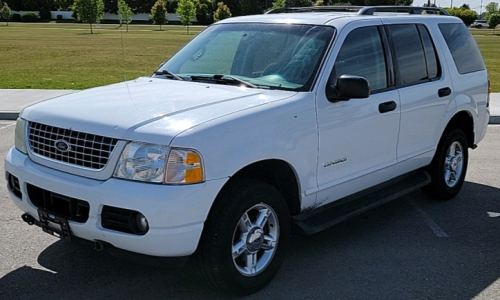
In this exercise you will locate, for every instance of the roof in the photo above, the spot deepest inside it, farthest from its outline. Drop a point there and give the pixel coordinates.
(322, 15)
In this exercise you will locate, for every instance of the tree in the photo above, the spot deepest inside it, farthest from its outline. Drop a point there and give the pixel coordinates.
(493, 21)
(186, 11)
(159, 13)
(63, 4)
(89, 11)
(234, 6)
(490, 9)
(467, 16)
(32, 5)
(124, 13)
(6, 12)
(111, 6)
(251, 7)
(372, 2)
(202, 12)
(279, 4)
(299, 3)
(465, 6)
(172, 5)
(222, 12)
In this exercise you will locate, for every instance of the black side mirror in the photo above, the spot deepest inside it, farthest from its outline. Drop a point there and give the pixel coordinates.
(348, 87)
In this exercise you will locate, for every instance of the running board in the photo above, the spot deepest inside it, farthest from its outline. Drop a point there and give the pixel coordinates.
(343, 209)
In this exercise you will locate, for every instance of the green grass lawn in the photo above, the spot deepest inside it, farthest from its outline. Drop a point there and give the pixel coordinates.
(67, 56)
(489, 45)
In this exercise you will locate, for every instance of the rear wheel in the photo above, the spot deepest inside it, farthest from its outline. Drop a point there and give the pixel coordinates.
(245, 237)
(449, 166)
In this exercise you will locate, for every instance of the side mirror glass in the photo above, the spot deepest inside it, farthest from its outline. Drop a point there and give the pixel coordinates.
(348, 87)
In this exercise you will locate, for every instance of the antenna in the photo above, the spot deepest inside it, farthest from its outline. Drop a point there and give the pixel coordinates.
(123, 62)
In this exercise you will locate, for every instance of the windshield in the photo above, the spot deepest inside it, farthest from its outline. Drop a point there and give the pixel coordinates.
(275, 56)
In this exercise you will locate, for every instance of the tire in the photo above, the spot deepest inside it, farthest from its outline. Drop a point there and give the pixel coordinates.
(449, 166)
(245, 237)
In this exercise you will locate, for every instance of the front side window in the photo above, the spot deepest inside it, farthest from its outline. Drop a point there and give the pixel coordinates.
(362, 54)
(278, 56)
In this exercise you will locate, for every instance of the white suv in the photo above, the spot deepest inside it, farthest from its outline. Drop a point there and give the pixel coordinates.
(260, 126)
(480, 24)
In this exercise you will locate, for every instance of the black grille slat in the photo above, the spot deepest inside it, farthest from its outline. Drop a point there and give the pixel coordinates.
(119, 219)
(87, 150)
(14, 186)
(63, 206)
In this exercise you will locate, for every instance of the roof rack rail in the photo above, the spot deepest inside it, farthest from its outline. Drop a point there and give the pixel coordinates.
(362, 10)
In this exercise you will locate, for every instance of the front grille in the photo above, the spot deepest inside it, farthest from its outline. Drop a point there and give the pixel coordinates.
(63, 206)
(82, 149)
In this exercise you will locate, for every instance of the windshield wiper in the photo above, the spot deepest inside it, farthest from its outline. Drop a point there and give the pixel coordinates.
(220, 78)
(167, 72)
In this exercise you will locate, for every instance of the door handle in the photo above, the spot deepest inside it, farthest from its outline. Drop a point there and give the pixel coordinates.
(387, 106)
(444, 92)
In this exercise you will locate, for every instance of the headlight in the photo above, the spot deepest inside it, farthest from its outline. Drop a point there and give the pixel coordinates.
(20, 135)
(184, 166)
(142, 162)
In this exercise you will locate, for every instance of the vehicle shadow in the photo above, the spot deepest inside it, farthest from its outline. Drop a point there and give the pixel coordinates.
(392, 252)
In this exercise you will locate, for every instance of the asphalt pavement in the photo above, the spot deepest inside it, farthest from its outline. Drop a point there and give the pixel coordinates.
(412, 248)
(12, 101)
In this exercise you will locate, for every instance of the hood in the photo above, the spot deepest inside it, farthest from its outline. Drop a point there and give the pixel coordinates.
(147, 109)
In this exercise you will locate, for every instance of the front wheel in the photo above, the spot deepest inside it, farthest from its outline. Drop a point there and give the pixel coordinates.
(245, 237)
(449, 166)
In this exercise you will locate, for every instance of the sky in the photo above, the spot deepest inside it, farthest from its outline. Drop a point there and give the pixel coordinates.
(474, 4)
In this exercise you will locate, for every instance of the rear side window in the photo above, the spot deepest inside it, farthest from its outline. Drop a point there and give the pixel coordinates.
(433, 70)
(463, 47)
(415, 55)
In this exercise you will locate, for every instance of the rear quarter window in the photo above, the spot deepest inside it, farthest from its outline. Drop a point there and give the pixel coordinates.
(463, 47)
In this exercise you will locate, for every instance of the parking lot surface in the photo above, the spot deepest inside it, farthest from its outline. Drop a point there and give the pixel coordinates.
(411, 248)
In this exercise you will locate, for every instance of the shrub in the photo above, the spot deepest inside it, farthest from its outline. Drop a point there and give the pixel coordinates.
(16, 18)
(45, 14)
(467, 16)
(29, 17)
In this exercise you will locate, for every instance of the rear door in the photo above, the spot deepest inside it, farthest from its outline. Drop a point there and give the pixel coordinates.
(424, 90)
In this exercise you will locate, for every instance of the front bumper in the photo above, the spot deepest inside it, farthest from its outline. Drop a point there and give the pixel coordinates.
(175, 213)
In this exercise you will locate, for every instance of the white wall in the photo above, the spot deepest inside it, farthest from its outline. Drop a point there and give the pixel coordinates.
(67, 15)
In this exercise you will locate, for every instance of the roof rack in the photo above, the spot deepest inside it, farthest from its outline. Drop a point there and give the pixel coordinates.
(362, 10)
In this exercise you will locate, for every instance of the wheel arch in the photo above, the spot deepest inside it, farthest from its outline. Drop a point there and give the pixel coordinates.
(275, 172)
(464, 121)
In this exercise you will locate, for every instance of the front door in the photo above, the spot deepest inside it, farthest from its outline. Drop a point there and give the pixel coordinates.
(359, 136)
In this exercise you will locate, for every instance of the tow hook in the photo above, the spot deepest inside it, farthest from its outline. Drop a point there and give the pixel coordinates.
(98, 246)
(28, 219)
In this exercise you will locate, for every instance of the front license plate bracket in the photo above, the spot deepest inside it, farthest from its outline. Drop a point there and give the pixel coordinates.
(55, 225)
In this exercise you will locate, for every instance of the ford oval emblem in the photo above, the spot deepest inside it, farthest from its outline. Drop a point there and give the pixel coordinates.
(62, 146)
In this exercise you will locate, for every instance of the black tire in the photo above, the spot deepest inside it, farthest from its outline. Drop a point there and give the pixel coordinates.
(449, 166)
(215, 251)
